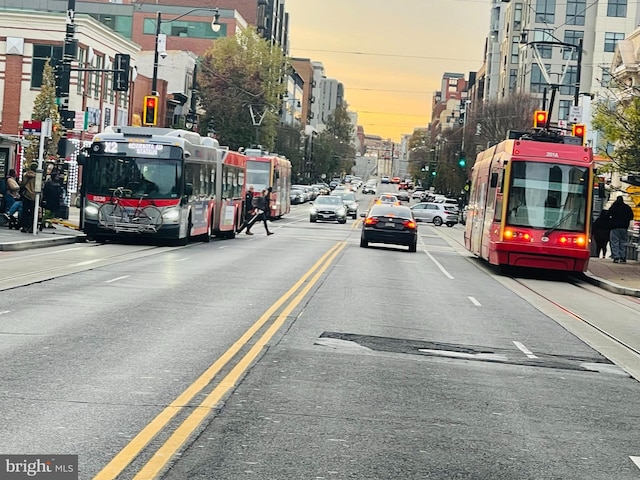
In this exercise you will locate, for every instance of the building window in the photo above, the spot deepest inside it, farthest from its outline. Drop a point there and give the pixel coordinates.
(517, 16)
(564, 106)
(568, 86)
(108, 93)
(606, 76)
(42, 53)
(575, 12)
(538, 82)
(573, 37)
(545, 11)
(617, 8)
(515, 49)
(184, 29)
(611, 39)
(82, 55)
(118, 23)
(97, 78)
(513, 80)
(543, 35)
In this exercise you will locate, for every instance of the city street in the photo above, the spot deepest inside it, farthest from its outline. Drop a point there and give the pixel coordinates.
(302, 355)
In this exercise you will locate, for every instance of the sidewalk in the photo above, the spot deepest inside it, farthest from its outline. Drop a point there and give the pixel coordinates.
(621, 278)
(62, 233)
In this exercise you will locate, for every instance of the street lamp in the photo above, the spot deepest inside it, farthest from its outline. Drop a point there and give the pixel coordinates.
(162, 38)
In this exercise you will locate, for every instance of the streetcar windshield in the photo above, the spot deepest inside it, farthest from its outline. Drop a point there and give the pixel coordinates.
(136, 176)
(258, 175)
(547, 195)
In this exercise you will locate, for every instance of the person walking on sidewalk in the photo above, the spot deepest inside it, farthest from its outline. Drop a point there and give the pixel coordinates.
(620, 214)
(262, 207)
(601, 233)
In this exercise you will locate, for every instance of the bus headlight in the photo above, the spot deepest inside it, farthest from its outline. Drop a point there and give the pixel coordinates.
(91, 211)
(171, 215)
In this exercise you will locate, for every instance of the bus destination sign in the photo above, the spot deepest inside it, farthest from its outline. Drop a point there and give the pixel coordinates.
(141, 149)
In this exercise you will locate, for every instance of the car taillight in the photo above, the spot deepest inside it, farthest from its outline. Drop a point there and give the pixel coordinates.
(409, 224)
(371, 221)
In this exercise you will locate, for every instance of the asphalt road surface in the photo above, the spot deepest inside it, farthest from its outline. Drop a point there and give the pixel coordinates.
(303, 356)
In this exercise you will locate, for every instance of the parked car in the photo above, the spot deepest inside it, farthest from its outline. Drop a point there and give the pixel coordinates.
(296, 196)
(349, 199)
(436, 213)
(333, 184)
(389, 224)
(328, 208)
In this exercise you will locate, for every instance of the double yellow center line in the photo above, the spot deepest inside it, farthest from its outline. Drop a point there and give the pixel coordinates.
(179, 437)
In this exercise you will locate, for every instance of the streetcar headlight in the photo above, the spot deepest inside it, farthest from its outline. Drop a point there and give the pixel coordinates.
(171, 215)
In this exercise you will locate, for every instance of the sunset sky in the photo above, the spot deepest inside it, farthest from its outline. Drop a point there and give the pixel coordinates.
(390, 56)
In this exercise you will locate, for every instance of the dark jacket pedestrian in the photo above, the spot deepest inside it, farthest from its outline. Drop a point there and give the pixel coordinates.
(28, 196)
(52, 193)
(248, 204)
(620, 214)
(601, 232)
(262, 209)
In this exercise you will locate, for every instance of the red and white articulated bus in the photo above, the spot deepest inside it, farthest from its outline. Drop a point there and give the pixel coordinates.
(160, 183)
(530, 204)
(266, 170)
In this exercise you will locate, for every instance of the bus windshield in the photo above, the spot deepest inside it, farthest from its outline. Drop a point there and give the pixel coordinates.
(258, 175)
(137, 176)
(548, 195)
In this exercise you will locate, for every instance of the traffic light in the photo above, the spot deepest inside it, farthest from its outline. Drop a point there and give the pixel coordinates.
(150, 113)
(462, 159)
(121, 72)
(540, 118)
(62, 75)
(579, 130)
(67, 119)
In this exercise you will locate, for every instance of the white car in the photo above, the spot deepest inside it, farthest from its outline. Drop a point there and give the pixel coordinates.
(436, 213)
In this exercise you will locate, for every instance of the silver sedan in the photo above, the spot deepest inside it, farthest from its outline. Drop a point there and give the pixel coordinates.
(436, 213)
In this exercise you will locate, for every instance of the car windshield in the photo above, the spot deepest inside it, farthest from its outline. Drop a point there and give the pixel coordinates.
(329, 200)
(345, 196)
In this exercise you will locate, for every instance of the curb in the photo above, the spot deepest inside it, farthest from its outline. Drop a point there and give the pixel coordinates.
(41, 243)
(610, 286)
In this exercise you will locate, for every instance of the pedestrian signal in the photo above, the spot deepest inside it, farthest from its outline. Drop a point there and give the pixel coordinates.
(150, 113)
(579, 130)
(540, 118)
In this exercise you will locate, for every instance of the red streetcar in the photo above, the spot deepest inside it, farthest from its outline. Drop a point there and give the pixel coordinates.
(530, 203)
(264, 170)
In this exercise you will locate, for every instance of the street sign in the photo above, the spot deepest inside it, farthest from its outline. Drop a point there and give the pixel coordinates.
(575, 114)
(31, 127)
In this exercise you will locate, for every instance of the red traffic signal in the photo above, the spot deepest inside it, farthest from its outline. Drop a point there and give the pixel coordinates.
(150, 110)
(579, 130)
(540, 118)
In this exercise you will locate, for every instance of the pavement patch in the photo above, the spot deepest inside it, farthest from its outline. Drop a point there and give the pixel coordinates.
(511, 356)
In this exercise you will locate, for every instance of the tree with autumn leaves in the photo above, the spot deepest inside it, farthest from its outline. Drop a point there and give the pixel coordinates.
(241, 85)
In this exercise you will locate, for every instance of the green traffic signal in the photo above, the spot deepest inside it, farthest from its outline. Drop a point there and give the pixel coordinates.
(462, 162)
(433, 173)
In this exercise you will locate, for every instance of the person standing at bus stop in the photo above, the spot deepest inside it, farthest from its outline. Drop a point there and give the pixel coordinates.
(262, 209)
(28, 196)
(620, 215)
